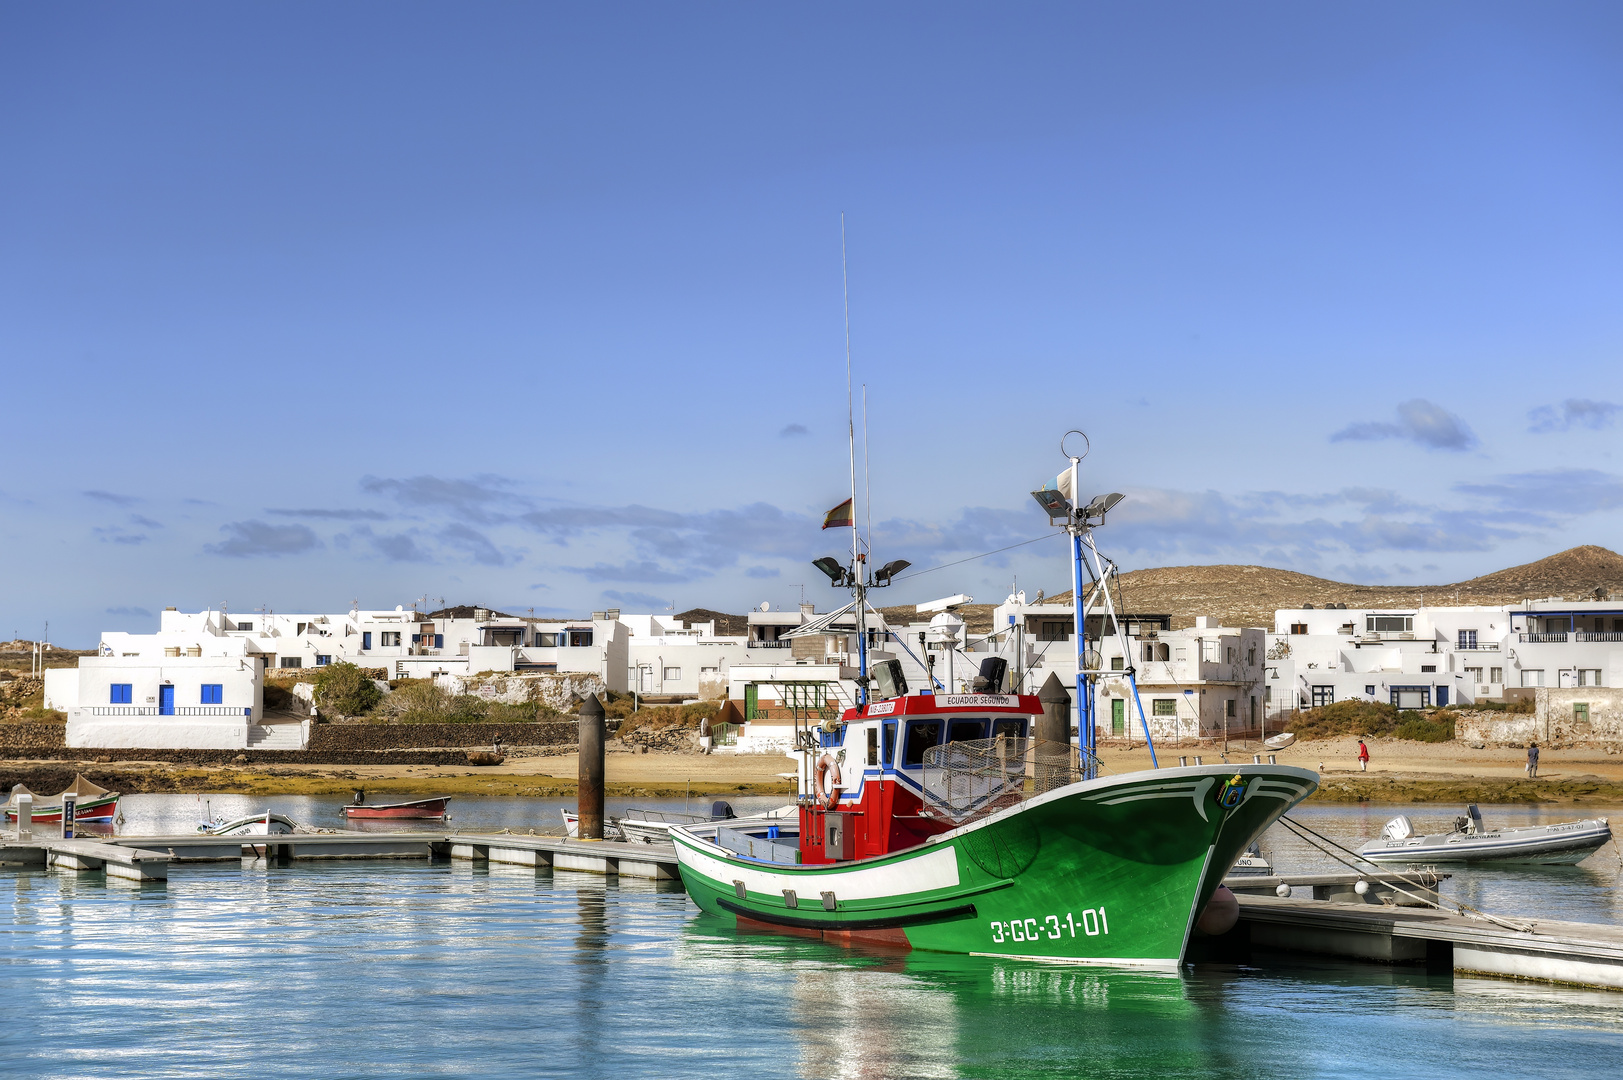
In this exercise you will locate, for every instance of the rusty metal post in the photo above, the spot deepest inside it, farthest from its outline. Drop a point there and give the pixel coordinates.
(1055, 726)
(590, 790)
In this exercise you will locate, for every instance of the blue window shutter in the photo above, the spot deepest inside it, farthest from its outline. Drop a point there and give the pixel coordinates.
(416, 639)
(366, 639)
(439, 641)
(212, 694)
(120, 694)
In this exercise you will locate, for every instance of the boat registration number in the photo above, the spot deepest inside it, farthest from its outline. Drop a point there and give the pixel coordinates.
(1091, 922)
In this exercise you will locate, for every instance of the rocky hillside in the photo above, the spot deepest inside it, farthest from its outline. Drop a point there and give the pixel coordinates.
(1248, 595)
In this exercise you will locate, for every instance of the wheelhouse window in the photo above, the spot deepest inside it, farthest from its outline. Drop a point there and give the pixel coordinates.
(889, 744)
(966, 730)
(921, 735)
(1008, 729)
(873, 746)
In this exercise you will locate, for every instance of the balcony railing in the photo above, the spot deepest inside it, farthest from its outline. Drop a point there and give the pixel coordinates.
(1483, 646)
(178, 710)
(1600, 635)
(1543, 639)
(769, 644)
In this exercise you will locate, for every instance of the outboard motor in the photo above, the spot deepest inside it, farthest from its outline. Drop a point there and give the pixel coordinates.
(360, 797)
(1399, 828)
(990, 680)
(721, 810)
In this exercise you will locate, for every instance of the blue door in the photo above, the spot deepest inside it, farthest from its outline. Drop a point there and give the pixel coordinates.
(166, 701)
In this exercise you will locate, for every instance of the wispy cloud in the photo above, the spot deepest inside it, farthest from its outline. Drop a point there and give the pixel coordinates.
(1573, 413)
(641, 573)
(252, 539)
(332, 515)
(791, 430)
(474, 544)
(476, 499)
(111, 497)
(761, 572)
(646, 601)
(130, 612)
(1562, 492)
(1419, 421)
(145, 522)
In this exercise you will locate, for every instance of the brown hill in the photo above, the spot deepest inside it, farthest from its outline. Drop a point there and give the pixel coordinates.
(726, 625)
(1248, 595)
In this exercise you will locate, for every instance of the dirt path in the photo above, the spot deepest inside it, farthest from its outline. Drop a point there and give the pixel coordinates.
(1399, 772)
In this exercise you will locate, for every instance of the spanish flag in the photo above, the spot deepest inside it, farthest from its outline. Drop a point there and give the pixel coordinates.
(840, 517)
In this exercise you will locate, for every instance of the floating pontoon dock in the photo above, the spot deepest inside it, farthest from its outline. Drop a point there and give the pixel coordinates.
(1585, 954)
(148, 858)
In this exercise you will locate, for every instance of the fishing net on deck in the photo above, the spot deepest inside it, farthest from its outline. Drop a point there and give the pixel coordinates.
(963, 780)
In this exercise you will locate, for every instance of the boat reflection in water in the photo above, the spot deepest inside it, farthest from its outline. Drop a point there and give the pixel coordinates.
(870, 1011)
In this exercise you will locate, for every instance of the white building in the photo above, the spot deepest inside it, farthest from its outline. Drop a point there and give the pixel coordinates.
(166, 691)
(409, 644)
(1430, 656)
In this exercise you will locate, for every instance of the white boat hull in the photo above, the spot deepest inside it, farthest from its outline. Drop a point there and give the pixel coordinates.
(1544, 845)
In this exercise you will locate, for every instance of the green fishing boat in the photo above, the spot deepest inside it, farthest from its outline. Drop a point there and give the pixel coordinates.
(968, 823)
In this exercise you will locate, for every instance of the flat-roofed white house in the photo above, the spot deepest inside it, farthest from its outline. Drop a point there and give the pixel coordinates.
(163, 691)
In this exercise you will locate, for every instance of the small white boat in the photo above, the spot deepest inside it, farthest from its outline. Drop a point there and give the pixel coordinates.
(1471, 841)
(1251, 864)
(265, 824)
(1279, 742)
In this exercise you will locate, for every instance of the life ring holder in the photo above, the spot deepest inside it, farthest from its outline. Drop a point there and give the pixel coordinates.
(828, 769)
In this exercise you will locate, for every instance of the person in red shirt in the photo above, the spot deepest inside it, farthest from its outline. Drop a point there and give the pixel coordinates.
(1363, 756)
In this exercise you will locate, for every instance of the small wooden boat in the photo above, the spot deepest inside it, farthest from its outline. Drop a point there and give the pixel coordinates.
(92, 803)
(1549, 845)
(264, 824)
(1279, 742)
(416, 810)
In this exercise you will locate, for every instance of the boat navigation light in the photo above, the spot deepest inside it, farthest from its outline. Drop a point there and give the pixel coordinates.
(883, 575)
(830, 566)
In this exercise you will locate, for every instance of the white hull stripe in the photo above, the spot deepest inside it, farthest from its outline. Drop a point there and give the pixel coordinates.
(927, 872)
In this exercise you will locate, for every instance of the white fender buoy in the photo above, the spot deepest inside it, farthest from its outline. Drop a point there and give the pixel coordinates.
(1282, 890)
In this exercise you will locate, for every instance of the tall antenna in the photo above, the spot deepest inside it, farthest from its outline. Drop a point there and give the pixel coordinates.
(850, 411)
(867, 484)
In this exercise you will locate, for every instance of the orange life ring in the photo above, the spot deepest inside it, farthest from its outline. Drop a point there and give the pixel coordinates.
(828, 770)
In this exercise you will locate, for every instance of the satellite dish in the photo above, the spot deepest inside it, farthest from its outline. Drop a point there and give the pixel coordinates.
(766, 605)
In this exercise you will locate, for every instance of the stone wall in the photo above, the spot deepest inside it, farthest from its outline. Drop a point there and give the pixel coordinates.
(1554, 721)
(559, 690)
(25, 738)
(331, 738)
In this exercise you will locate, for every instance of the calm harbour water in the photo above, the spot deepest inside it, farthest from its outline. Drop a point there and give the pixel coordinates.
(450, 970)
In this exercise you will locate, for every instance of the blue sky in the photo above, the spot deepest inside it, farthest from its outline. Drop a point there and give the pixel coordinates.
(539, 306)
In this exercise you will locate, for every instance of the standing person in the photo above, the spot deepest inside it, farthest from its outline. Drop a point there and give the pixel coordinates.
(1532, 760)
(1363, 756)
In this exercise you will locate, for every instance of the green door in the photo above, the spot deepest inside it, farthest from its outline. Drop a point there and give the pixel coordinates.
(1118, 716)
(751, 695)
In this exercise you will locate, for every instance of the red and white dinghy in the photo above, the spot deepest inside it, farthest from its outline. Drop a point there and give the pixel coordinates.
(419, 810)
(92, 803)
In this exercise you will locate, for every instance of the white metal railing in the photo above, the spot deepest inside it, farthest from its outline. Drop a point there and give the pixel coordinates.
(1543, 639)
(1600, 635)
(179, 710)
(769, 644)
